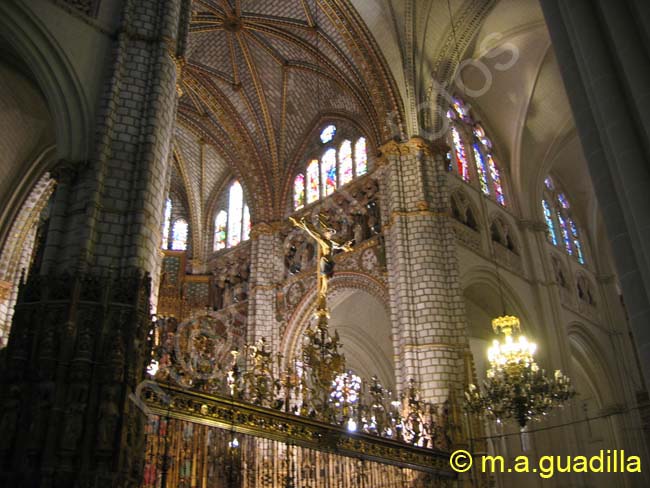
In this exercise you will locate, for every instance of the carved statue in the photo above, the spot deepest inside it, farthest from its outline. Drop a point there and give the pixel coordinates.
(74, 416)
(326, 247)
(108, 418)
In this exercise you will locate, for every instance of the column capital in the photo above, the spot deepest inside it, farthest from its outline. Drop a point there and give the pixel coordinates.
(413, 146)
(267, 228)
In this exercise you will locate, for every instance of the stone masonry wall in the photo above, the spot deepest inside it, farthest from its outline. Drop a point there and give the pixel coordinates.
(426, 303)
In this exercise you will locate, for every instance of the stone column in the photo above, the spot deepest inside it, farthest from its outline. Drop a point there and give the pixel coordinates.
(602, 49)
(427, 308)
(267, 270)
(78, 346)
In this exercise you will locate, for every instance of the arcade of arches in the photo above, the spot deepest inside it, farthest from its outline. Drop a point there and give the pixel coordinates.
(477, 156)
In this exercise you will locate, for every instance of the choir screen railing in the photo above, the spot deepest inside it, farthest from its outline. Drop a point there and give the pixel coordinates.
(203, 441)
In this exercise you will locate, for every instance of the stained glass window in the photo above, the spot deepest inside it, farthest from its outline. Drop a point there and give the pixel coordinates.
(480, 169)
(232, 226)
(313, 192)
(235, 214)
(167, 221)
(548, 183)
(338, 163)
(346, 170)
(299, 192)
(550, 226)
(559, 208)
(328, 172)
(179, 235)
(461, 157)
(479, 133)
(361, 157)
(496, 180)
(565, 233)
(461, 109)
(563, 201)
(246, 224)
(220, 224)
(328, 134)
(489, 177)
(576, 241)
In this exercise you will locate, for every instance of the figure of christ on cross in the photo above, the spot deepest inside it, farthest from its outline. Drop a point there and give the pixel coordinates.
(326, 247)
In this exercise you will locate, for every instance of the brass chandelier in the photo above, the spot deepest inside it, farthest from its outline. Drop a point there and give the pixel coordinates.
(515, 387)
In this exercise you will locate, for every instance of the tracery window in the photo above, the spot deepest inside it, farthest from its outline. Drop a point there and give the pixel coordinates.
(556, 210)
(167, 222)
(180, 231)
(478, 164)
(175, 228)
(340, 160)
(232, 225)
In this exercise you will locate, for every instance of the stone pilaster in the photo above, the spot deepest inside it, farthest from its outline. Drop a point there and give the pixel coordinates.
(427, 308)
(78, 346)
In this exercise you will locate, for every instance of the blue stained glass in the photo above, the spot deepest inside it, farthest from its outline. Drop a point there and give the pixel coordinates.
(565, 233)
(481, 169)
(550, 226)
(479, 133)
(548, 182)
(576, 241)
(328, 172)
(496, 180)
(564, 203)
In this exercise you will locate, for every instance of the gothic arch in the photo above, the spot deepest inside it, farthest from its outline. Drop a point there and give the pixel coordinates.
(586, 351)
(501, 231)
(464, 209)
(35, 46)
(342, 282)
(484, 278)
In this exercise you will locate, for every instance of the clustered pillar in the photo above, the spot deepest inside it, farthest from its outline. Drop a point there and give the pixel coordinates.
(79, 342)
(429, 330)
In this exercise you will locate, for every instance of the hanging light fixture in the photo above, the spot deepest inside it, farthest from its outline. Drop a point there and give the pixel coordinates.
(515, 387)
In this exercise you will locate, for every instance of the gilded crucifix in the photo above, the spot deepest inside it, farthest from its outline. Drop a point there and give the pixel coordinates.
(326, 247)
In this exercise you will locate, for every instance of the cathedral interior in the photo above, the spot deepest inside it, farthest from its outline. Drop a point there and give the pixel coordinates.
(324, 243)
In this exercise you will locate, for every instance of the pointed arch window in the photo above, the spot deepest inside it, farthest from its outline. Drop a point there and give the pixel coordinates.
(466, 132)
(459, 151)
(179, 235)
(299, 191)
(313, 187)
(232, 225)
(328, 172)
(167, 223)
(339, 162)
(361, 157)
(220, 230)
(557, 215)
(550, 224)
(235, 214)
(175, 227)
(346, 165)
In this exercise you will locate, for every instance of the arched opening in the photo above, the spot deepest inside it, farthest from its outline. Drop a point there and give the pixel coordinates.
(27, 145)
(365, 330)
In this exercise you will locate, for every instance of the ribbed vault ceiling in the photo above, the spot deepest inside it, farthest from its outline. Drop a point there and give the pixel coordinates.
(258, 77)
